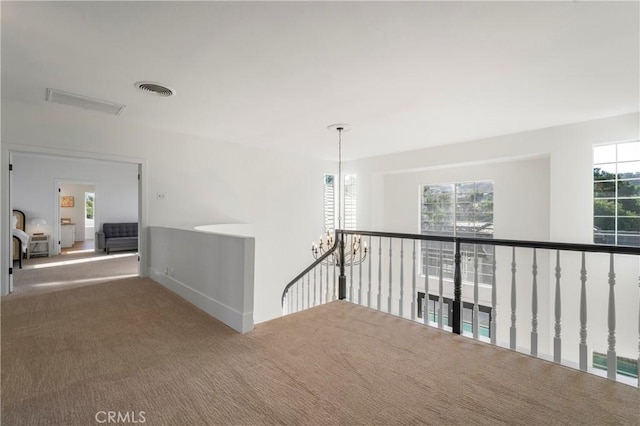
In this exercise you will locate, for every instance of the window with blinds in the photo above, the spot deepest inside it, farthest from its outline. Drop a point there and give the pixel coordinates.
(329, 202)
(349, 203)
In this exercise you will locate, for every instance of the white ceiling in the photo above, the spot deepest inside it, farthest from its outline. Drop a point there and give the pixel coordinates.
(405, 75)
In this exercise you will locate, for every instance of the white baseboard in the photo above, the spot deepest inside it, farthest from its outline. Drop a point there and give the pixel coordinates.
(240, 322)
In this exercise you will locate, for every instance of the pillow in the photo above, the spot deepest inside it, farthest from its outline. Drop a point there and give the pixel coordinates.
(14, 221)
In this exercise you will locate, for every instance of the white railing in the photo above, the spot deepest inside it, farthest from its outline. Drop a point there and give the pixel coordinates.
(555, 301)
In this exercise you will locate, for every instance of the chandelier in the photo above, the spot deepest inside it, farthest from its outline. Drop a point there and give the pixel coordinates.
(354, 251)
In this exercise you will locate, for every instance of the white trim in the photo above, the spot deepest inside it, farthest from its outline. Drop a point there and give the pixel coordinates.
(240, 322)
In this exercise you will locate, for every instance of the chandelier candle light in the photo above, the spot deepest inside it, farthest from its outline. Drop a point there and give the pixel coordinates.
(356, 252)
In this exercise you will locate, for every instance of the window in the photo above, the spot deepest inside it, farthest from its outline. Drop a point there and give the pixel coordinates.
(484, 313)
(349, 202)
(616, 194)
(88, 209)
(458, 209)
(329, 202)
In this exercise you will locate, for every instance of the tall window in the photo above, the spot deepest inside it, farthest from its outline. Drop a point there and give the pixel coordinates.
(89, 198)
(458, 209)
(616, 194)
(329, 202)
(349, 202)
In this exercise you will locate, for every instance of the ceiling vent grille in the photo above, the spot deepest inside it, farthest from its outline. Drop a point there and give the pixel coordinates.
(155, 88)
(84, 102)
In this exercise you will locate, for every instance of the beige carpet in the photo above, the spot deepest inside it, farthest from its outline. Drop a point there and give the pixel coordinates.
(132, 346)
(47, 274)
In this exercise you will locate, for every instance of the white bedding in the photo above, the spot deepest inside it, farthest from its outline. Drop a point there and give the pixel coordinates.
(24, 237)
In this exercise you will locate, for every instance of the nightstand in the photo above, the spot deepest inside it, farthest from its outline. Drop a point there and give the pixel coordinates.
(39, 246)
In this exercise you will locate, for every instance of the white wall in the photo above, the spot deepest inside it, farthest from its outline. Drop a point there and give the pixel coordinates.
(203, 182)
(214, 272)
(35, 193)
(564, 214)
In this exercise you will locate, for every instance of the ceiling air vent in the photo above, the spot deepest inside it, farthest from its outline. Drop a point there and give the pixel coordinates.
(154, 88)
(84, 102)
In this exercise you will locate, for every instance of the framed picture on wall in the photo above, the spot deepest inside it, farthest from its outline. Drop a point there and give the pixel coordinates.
(66, 201)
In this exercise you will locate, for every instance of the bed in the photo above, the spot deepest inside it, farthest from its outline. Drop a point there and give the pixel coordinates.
(20, 237)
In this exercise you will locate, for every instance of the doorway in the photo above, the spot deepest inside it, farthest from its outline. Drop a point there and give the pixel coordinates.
(77, 211)
(118, 183)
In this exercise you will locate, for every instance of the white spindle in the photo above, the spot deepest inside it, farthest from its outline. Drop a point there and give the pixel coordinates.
(401, 299)
(369, 265)
(298, 296)
(326, 294)
(315, 273)
(583, 316)
(534, 306)
(390, 275)
(512, 330)
(380, 274)
(557, 342)
(335, 270)
(320, 284)
(425, 310)
(360, 272)
(440, 290)
(612, 360)
(494, 298)
(308, 292)
(476, 295)
(638, 364)
(414, 292)
(352, 257)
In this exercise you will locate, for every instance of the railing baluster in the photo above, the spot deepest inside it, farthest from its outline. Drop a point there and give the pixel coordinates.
(401, 300)
(351, 256)
(512, 330)
(320, 285)
(557, 342)
(426, 308)
(380, 274)
(440, 290)
(308, 300)
(638, 364)
(315, 273)
(297, 296)
(335, 272)
(494, 299)
(390, 275)
(326, 293)
(414, 292)
(583, 316)
(612, 361)
(369, 265)
(534, 307)
(476, 293)
(360, 274)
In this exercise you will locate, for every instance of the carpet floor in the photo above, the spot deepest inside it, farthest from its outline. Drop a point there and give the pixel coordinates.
(133, 348)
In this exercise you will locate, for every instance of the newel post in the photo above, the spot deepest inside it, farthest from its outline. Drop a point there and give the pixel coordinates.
(342, 278)
(457, 291)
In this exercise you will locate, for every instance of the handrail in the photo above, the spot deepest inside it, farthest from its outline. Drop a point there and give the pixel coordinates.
(599, 248)
(310, 267)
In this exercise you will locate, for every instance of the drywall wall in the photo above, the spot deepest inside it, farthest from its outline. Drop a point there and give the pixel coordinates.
(214, 272)
(35, 179)
(193, 181)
